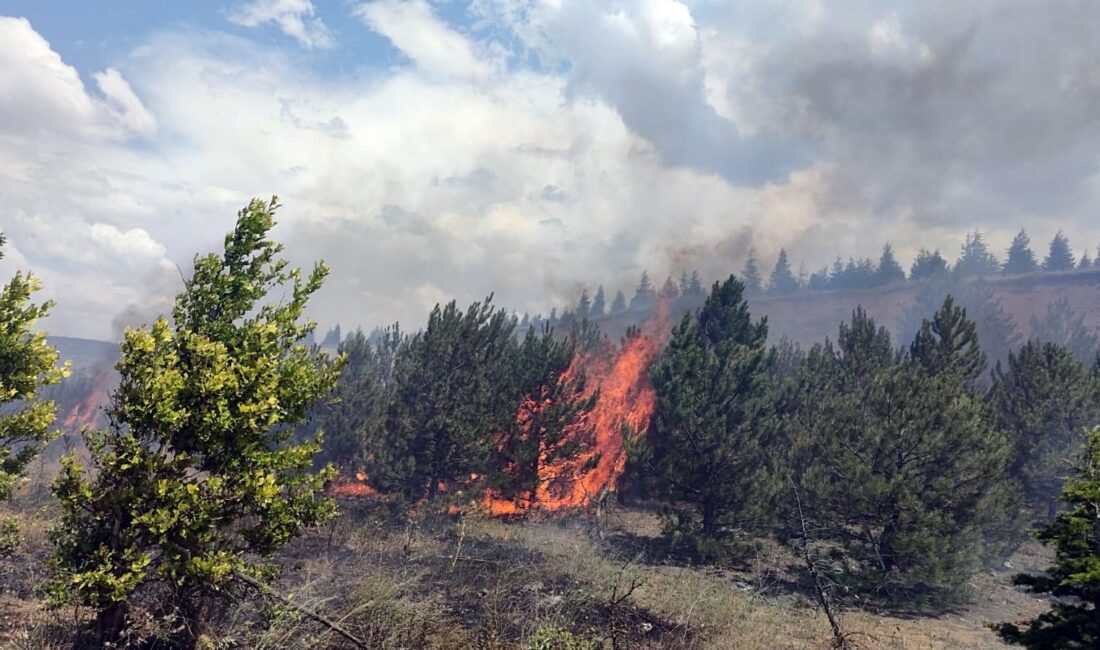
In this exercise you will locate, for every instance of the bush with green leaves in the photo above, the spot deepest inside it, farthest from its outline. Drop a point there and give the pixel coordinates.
(27, 363)
(556, 638)
(196, 480)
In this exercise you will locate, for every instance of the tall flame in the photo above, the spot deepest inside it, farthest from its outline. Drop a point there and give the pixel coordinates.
(626, 403)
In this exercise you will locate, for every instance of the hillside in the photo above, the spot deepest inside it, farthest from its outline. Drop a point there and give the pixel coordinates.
(811, 316)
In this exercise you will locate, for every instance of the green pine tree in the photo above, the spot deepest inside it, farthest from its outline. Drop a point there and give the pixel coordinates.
(1043, 400)
(618, 305)
(196, 480)
(1074, 578)
(927, 265)
(949, 343)
(1065, 326)
(550, 402)
(898, 466)
(645, 297)
(1060, 256)
(782, 281)
(889, 270)
(453, 387)
(358, 405)
(708, 442)
(976, 260)
(1020, 258)
(598, 303)
(750, 275)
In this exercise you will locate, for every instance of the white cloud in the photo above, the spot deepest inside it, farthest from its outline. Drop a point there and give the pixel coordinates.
(41, 94)
(458, 175)
(125, 247)
(433, 46)
(295, 18)
(887, 39)
(131, 112)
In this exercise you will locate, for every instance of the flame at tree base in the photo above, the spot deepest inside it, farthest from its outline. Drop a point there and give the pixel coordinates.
(625, 406)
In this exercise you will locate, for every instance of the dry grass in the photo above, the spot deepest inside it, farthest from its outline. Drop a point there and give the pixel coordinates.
(439, 583)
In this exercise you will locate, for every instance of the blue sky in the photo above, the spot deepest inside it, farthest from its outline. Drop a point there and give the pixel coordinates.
(531, 148)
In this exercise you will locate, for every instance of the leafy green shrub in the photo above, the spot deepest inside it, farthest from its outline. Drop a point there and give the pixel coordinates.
(556, 638)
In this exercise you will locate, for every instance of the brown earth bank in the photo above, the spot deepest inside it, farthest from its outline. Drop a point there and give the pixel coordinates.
(809, 317)
(449, 582)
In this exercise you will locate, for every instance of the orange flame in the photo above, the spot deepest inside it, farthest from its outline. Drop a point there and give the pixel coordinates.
(347, 487)
(626, 400)
(87, 412)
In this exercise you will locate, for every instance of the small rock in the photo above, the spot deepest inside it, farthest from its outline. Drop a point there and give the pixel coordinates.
(1008, 565)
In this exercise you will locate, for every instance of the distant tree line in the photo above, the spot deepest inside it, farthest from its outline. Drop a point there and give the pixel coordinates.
(975, 261)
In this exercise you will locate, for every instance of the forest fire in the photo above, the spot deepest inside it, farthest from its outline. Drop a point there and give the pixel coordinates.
(626, 404)
(87, 411)
(352, 488)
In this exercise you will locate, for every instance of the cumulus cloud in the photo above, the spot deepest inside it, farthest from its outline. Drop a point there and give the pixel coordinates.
(434, 46)
(295, 18)
(644, 58)
(542, 146)
(41, 94)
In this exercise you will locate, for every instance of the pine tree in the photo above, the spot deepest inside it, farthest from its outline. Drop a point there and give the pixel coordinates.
(598, 306)
(836, 274)
(1085, 262)
(819, 281)
(1043, 401)
(995, 328)
(949, 343)
(453, 386)
(550, 402)
(750, 276)
(1060, 257)
(669, 291)
(357, 408)
(27, 364)
(618, 305)
(584, 305)
(707, 441)
(1065, 326)
(927, 265)
(196, 478)
(332, 337)
(782, 281)
(1020, 258)
(976, 260)
(898, 466)
(1074, 579)
(644, 296)
(694, 288)
(858, 274)
(889, 270)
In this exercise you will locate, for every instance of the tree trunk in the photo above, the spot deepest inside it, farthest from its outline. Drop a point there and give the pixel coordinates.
(110, 623)
(710, 518)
